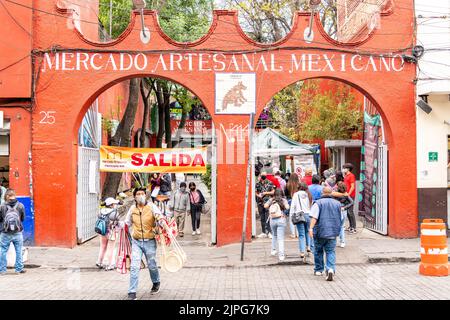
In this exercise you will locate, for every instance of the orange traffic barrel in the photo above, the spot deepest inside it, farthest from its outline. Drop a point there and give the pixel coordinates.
(433, 248)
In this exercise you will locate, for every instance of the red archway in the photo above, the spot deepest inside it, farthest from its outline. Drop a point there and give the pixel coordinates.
(69, 76)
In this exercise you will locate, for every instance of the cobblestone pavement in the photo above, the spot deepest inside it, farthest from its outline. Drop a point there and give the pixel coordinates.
(364, 281)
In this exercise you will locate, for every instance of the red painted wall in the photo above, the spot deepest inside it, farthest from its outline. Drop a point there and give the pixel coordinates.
(55, 146)
(15, 47)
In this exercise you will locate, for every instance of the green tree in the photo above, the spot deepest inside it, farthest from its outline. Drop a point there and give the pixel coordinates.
(304, 113)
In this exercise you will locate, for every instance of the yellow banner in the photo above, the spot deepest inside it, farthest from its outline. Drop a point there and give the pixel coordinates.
(176, 160)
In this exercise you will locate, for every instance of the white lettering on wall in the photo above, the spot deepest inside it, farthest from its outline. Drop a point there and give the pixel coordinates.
(219, 62)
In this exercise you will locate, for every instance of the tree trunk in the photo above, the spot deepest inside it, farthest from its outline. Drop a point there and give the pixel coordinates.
(160, 100)
(122, 137)
(167, 117)
(146, 115)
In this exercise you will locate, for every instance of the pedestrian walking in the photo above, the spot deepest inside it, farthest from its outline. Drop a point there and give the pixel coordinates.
(315, 188)
(330, 179)
(292, 187)
(301, 201)
(277, 205)
(108, 241)
(281, 181)
(197, 201)
(179, 204)
(308, 176)
(12, 216)
(264, 190)
(143, 217)
(155, 185)
(350, 182)
(325, 227)
(346, 202)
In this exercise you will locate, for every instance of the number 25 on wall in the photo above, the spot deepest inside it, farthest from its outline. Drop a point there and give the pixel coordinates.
(47, 117)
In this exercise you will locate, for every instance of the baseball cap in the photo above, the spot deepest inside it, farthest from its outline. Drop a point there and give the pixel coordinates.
(110, 201)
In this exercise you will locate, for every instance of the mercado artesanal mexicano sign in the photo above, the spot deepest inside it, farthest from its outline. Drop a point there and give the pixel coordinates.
(220, 62)
(176, 160)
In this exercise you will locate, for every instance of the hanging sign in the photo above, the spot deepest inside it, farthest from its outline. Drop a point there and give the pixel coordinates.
(176, 160)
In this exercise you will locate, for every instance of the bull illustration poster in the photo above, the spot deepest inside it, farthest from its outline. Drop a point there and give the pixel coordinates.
(235, 93)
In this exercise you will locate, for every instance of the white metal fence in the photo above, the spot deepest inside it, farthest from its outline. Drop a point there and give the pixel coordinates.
(87, 192)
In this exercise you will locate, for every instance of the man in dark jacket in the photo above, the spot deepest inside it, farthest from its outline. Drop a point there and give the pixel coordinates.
(12, 215)
(325, 227)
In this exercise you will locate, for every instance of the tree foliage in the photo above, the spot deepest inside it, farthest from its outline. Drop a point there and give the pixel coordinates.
(305, 113)
(268, 21)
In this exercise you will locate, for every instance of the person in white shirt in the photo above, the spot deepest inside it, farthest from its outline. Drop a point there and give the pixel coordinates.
(302, 201)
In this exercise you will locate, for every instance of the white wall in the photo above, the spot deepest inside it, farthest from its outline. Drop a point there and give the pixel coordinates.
(432, 135)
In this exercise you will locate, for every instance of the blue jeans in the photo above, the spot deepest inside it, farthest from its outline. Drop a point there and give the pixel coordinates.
(5, 241)
(278, 225)
(148, 248)
(304, 239)
(327, 246)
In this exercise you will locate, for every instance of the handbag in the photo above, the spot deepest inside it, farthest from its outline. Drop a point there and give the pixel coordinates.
(299, 216)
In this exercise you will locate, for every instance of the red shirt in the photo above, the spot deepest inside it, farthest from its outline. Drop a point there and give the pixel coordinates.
(274, 180)
(307, 180)
(348, 180)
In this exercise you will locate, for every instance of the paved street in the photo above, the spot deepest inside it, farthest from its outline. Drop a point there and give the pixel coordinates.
(366, 281)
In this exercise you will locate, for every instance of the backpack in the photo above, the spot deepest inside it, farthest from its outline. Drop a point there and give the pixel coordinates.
(11, 222)
(275, 210)
(101, 225)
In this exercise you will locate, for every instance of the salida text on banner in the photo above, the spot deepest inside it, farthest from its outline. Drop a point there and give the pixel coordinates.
(176, 160)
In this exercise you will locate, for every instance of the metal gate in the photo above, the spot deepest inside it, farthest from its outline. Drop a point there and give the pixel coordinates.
(87, 192)
(380, 223)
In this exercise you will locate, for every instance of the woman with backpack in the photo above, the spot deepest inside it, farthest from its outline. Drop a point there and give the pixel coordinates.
(197, 201)
(277, 206)
(302, 202)
(109, 216)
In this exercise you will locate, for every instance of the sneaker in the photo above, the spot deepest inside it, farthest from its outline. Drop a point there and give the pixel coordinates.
(352, 231)
(270, 235)
(273, 252)
(155, 288)
(342, 245)
(318, 273)
(281, 258)
(198, 231)
(330, 274)
(181, 234)
(99, 265)
(194, 233)
(262, 235)
(132, 296)
(21, 271)
(292, 236)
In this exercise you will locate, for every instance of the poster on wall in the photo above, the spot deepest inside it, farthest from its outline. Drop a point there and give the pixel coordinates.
(235, 93)
(369, 167)
(303, 162)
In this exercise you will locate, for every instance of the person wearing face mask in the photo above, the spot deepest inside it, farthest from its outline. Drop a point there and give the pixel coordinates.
(12, 215)
(143, 218)
(264, 190)
(197, 202)
(108, 241)
(179, 205)
(350, 180)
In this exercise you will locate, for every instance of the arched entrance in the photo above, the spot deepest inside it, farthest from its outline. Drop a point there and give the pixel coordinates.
(77, 70)
(334, 122)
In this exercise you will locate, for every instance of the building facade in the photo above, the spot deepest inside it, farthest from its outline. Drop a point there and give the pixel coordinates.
(433, 110)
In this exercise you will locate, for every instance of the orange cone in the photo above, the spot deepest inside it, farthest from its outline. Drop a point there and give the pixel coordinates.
(433, 248)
